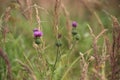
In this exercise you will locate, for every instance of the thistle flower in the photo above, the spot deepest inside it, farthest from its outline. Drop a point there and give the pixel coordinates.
(74, 24)
(37, 33)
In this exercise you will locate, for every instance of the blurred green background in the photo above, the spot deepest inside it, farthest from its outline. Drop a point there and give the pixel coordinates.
(19, 40)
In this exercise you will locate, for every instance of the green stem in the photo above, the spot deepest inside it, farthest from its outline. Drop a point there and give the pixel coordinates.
(69, 68)
(28, 61)
(74, 43)
(70, 51)
(56, 60)
(43, 61)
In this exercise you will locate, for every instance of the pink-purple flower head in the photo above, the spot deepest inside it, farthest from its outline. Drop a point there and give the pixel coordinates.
(37, 33)
(74, 24)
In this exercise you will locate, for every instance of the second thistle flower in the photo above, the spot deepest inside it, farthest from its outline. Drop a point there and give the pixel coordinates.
(74, 30)
(74, 25)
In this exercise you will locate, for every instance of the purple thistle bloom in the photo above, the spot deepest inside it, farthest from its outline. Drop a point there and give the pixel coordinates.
(37, 33)
(74, 24)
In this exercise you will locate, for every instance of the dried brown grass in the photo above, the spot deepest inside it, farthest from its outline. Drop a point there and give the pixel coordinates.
(68, 24)
(7, 61)
(115, 53)
(26, 4)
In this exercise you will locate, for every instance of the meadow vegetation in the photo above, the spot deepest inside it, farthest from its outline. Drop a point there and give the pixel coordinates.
(57, 43)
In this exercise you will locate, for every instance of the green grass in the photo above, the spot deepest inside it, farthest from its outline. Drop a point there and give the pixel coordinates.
(19, 46)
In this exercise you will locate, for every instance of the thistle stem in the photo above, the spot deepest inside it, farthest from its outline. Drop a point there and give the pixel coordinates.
(56, 60)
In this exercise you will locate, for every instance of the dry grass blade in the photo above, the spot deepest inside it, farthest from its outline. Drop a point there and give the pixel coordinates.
(95, 47)
(101, 33)
(5, 58)
(85, 3)
(29, 12)
(37, 17)
(56, 16)
(114, 56)
(6, 17)
(97, 74)
(33, 77)
(68, 26)
(23, 4)
(91, 31)
(99, 21)
(7, 14)
(35, 5)
(84, 66)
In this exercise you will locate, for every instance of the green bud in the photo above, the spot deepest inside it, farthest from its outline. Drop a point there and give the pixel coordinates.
(77, 37)
(37, 41)
(58, 43)
(74, 31)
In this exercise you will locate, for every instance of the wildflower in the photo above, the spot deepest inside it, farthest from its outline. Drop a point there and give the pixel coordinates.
(74, 31)
(74, 24)
(37, 33)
